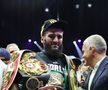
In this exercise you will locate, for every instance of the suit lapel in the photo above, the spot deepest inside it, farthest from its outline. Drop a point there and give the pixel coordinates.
(99, 72)
(87, 80)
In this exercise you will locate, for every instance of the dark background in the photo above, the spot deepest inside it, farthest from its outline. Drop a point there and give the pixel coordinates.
(22, 19)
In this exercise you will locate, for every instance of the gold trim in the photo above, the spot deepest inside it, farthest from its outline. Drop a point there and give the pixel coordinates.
(30, 79)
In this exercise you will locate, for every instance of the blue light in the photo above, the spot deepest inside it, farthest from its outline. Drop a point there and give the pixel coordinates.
(79, 40)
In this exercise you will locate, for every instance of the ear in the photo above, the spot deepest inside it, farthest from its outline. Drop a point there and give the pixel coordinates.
(42, 39)
(92, 49)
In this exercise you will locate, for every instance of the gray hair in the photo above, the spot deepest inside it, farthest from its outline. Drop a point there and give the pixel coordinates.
(98, 42)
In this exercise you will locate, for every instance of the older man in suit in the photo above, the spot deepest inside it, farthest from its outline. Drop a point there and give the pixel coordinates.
(94, 53)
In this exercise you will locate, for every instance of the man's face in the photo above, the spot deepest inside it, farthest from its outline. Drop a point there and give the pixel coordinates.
(12, 48)
(5, 60)
(52, 40)
(87, 54)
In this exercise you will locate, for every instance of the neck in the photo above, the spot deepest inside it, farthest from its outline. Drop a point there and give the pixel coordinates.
(97, 59)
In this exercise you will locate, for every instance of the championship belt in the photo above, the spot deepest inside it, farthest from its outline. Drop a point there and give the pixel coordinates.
(34, 71)
(10, 74)
(51, 87)
(30, 65)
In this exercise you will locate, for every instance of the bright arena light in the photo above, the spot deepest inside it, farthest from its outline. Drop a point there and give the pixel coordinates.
(77, 6)
(89, 5)
(78, 49)
(46, 9)
(79, 40)
(29, 40)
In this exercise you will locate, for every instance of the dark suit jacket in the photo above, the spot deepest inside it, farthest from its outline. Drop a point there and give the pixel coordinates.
(100, 81)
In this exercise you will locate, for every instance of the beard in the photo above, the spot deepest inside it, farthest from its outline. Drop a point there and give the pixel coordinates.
(53, 50)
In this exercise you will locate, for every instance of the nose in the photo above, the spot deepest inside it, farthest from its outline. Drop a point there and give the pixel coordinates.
(55, 39)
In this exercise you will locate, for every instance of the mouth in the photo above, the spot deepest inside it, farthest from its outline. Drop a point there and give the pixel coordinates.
(54, 46)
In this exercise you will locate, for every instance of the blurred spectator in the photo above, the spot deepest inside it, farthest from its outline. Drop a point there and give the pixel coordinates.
(4, 60)
(4, 55)
(14, 50)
